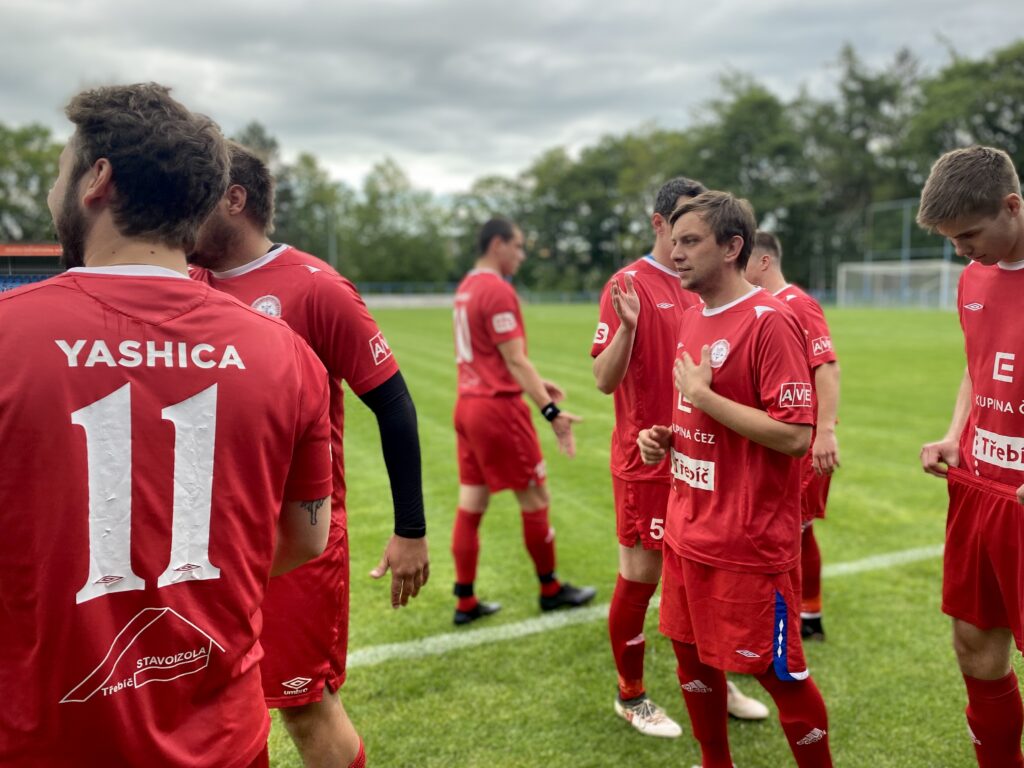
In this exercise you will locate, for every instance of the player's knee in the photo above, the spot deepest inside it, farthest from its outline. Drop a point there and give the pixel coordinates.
(980, 654)
(305, 717)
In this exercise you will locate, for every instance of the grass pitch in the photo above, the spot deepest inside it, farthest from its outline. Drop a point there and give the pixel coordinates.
(887, 672)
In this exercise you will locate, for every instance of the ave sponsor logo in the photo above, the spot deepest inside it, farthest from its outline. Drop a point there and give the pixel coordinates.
(601, 335)
(998, 450)
(379, 349)
(296, 685)
(795, 394)
(268, 305)
(150, 354)
(504, 322)
(821, 345)
(694, 472)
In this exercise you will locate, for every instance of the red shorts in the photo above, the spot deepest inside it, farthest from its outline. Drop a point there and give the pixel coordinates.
(983, 565)
(497, 444)
(640, 511)
(262, 759)
(813, 491)
(740, 622)
(305, 629)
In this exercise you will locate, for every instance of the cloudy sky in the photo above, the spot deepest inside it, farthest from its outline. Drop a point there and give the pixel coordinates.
(455, 89)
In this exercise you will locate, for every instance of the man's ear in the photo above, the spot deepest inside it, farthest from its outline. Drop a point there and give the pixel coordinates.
(99, 183)
(236, 197)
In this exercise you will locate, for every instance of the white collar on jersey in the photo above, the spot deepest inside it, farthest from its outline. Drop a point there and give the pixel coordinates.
(129, 270)
(484, 270)
(662, 267)
(776, 293)
(262, 261)
(718, 310)
(1012, 266)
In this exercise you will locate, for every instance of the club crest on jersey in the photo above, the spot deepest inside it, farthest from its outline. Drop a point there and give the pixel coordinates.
(268, 305)
(719, 351)
(795, 394)
(379, 349)
(504, 322)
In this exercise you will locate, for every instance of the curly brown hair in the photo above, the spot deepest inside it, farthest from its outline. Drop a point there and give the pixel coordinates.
(170, 166)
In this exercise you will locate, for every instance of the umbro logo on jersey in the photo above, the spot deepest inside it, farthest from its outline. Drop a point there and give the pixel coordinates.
(665, 305)
(109, 580)
(296, 685)
(974, 306)
(695, 686)
(813, 737)
(749, 654)
(187, 567)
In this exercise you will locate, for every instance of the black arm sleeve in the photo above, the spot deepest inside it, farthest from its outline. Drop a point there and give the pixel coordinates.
(392, 404)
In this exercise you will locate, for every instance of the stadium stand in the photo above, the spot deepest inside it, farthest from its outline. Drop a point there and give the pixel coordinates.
(24, 263)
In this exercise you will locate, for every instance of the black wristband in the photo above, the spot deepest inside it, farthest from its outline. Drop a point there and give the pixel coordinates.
(550, 411)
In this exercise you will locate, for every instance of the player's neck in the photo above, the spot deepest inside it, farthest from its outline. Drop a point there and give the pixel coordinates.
(730, 287)
(108, 248)
(250, 245)
(491, 263)
(662, 253)
(774, 281)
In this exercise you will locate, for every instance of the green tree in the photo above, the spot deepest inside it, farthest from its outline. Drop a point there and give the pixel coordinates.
(28, 168)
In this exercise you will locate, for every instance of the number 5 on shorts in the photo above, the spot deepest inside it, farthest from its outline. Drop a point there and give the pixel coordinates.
(657, 528)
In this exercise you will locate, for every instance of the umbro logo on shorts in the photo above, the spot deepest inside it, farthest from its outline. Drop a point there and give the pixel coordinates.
(695, 686)
(974, 306)
(297, 684)
(813, 737)
(749, 654)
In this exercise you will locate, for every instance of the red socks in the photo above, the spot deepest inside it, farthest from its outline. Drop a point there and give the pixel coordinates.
(810, 574)
(803, 717)
(540, 543)
(705, 695)
(360, 761)
(995, 717)
(466, 551)
(626, 629)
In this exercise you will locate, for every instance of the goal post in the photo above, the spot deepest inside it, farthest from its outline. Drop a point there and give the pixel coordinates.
(921, 283)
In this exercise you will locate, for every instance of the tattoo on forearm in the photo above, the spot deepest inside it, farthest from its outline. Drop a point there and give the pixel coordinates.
(313, 507)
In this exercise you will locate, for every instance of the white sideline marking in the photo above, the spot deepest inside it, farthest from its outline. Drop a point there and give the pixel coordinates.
(436, 645)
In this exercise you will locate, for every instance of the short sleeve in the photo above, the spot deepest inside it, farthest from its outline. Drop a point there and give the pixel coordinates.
(345, 336)
(783, 375)
(819, 338)
(310, 474)
(501, 316)
(607, 322)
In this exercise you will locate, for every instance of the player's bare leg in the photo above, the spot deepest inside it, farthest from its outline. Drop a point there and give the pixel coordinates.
(539, 537)
(323, 733)
(473, 500)
(995, 714)
(639, 573)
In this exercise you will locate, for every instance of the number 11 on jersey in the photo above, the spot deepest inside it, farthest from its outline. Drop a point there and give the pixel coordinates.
(108, 441)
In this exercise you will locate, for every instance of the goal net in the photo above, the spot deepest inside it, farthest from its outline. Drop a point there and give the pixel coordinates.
(920, 283)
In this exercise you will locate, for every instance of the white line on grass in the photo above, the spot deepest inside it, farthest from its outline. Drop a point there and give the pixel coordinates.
(436, 645)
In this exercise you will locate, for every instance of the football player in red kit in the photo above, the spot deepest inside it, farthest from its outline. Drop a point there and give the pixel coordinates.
(764, 269)
(305, 633)
(495, 439)
(742, 418)
(165, 450)
(972, 196)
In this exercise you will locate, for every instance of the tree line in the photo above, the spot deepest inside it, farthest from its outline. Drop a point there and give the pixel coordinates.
(811, 165)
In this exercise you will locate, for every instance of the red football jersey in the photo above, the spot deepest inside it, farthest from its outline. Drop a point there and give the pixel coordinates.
(992, 443)
(645, 395)
(486, 314)
(326, 310)
(151, 429)
(735, 504)
(811, 317)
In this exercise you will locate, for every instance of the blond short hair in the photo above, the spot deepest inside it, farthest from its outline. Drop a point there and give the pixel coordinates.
(967, 182)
